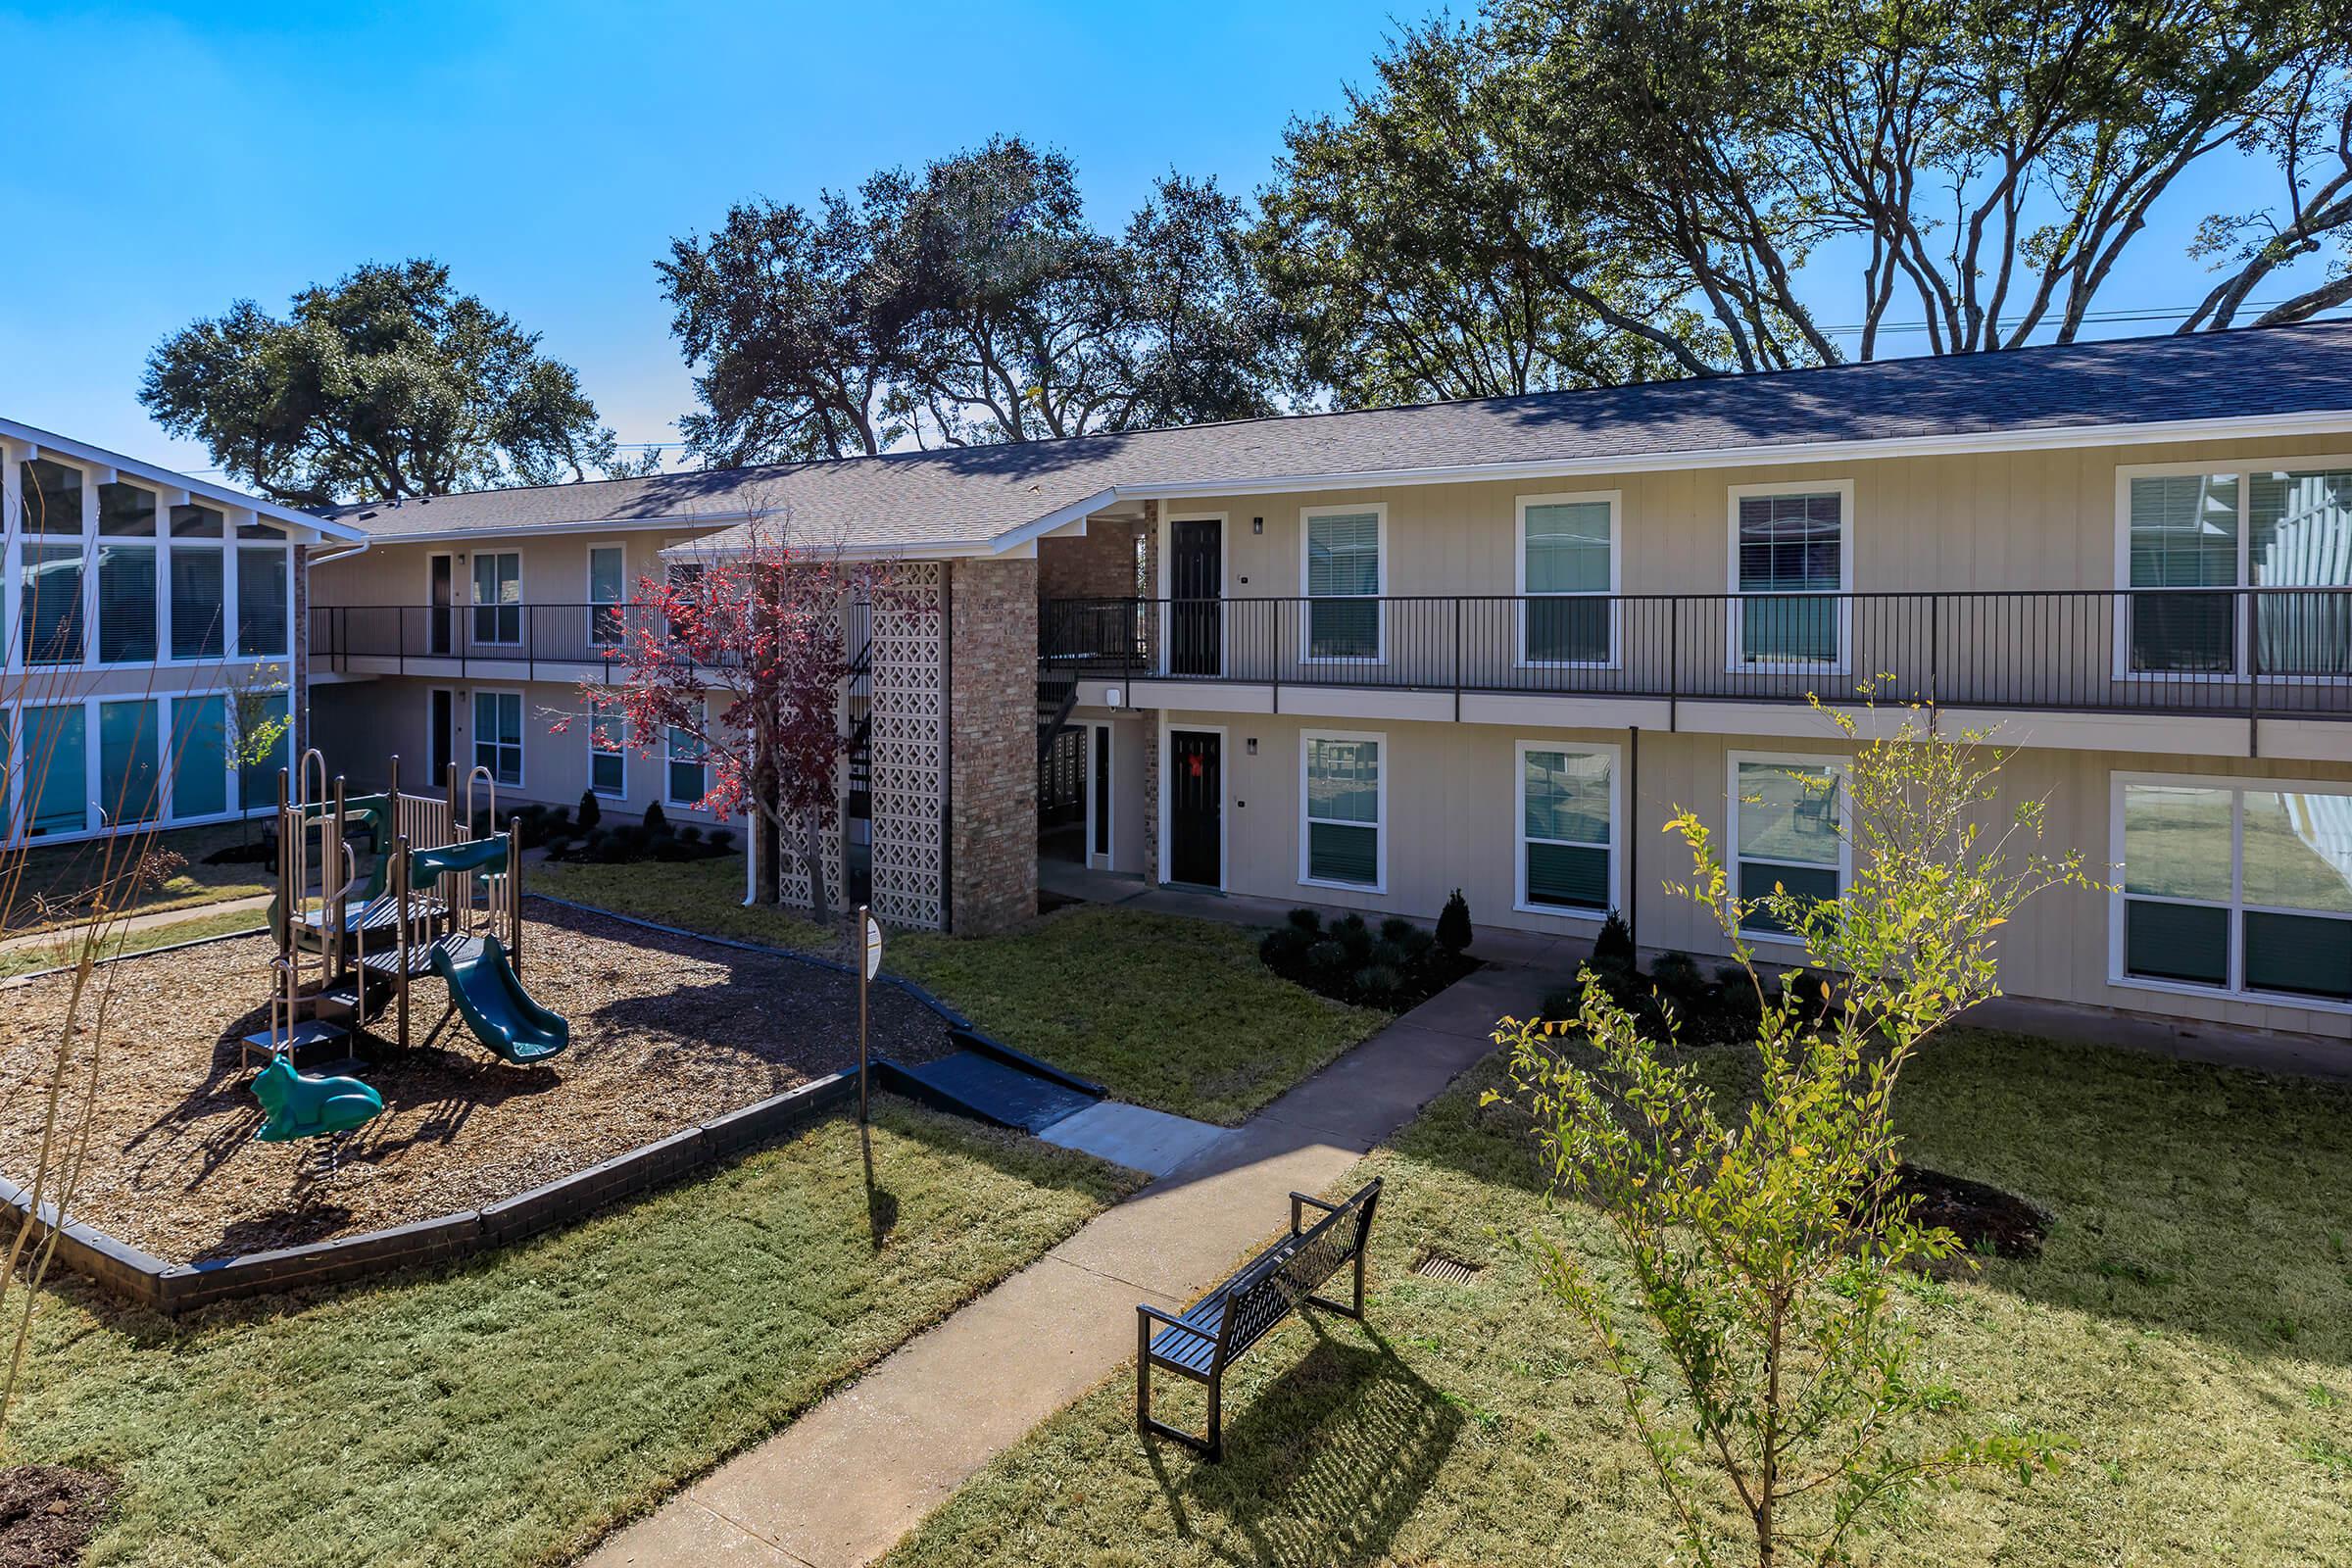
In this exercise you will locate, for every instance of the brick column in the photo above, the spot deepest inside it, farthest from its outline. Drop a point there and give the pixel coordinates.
(993, 746)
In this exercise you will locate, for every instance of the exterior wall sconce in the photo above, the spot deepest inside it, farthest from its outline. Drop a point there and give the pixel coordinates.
(1257, 525)
(1251, 744)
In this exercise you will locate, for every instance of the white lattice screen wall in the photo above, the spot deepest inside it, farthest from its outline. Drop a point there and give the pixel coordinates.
(909, 751)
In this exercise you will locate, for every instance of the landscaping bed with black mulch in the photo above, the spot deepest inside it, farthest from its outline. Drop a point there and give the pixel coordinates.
(666, 1031)
(48, 1514)
(1396, 965)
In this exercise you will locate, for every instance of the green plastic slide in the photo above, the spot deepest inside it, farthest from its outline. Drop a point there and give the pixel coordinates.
(500, 1012)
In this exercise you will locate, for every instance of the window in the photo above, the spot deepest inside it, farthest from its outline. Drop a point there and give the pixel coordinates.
(607, 581)
(51, 498)
(130, 781)
(498, 735)
(261, 601)
(198, 756)
(125, 512)
(608, 763)
(1784, 813)
(2279, 530)
(682, 579)
(2237, 887)
(55, 769)
(1342, 571)
(1787, 547)
(1567, 803)
(1343, 804)
(497, 597)
(126, 604)
(197, 583)
(49, 581)
(687, 771)
(1567, 569)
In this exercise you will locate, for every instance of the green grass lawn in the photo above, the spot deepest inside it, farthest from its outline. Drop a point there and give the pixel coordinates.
(2189, 1327)
(1169, 1013)
(65, 947)
(512, 1410)
(62, 873)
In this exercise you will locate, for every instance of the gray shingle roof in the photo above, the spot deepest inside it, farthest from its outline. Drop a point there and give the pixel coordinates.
(969, 496)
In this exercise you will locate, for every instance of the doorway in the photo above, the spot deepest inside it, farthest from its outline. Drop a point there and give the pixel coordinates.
(439, 628)
(1197, 585)
(1197, 808)
(441, 725)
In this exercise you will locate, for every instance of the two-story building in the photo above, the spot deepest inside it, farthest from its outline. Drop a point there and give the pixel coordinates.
(135, 601)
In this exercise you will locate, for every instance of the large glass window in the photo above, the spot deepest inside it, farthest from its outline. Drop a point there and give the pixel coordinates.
(1566, 569)
(498, 596)
(688, 770)
(49, 610)
(1343, 584)
(1565, 860)
(1787, 546)
(196, 600)
(57, 786)
(129, 780)
(1343, 811)
(125, 512)
(1785, 827)
(608, 762)
(607, 587)
(498, 735)
(2285, 533)
(52, 498)
(198, 756)
(2183, 534)
(126, 602)
(261, 602)
(2238, 888)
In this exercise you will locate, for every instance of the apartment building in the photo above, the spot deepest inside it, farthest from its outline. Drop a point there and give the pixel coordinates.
(135, 601)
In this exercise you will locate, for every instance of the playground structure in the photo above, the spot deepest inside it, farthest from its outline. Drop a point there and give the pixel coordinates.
(432, 900)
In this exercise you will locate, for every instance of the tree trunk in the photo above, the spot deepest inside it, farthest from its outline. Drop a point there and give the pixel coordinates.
(812, 855)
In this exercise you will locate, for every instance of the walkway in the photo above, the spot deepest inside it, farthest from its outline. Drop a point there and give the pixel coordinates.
(839, 1487)
(69, 937)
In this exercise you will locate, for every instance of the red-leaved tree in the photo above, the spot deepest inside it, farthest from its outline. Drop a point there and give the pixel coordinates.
(745, 652)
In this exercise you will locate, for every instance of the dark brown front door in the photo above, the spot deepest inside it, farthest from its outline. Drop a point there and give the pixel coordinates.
(1196, 589)
(438, 613)
(1195, 808)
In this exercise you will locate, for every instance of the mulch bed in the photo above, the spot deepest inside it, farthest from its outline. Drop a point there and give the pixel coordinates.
(1986, 1218)
(666, 1031)
(48, 1514)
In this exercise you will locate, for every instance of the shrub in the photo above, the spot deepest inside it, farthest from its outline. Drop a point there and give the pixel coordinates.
(1327, 955)
(656, 820)
(1353, 937)
(1397, 930)
(689, 833)
(1558, 1002)
(1284, 946)
(599, 844)
(722, 840)
(1378, 981)
(1306, 921)
(591, 812)
(1453, 924)
(1677, 975)
(1613, 948)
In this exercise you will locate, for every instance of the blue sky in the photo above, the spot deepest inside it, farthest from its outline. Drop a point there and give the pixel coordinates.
(161, 161)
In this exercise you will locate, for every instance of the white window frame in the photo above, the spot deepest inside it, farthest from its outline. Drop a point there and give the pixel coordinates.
(1842, 767)
(172, 725)
(1380, 825)
(2242, 471)
(474, 739)
(595, 709)
(20, 821)
(1520, 841)
(230, 586)
(226, 545)
(671, 755)
(1378, 595)
(1734, 622)
(474, 608)
(1616, 503)
(2238, 787)
(588, 587)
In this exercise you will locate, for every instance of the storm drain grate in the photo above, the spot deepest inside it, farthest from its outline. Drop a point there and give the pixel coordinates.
(1452, 1271)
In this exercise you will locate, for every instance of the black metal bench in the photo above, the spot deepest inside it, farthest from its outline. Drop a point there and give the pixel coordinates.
(1214, 1332)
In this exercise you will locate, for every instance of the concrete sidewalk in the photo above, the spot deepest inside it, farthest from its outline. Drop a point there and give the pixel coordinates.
(839, 1487)
(69, 937)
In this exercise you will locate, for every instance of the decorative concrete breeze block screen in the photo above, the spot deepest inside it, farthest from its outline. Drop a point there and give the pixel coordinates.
(909, 752)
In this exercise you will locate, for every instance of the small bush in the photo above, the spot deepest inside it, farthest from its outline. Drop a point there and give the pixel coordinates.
(1397, 930)
(1559, 1003)
(1306, 921)
(722, 840)
(1453, 924)
(1327, 955)
(591, 811)
(1378, 981)
(1284, 946)
(1613, 948)
(656, 820)
(1675, 975)
(689, 833)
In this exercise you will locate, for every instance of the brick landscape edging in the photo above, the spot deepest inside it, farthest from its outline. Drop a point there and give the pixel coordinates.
(174, 1287)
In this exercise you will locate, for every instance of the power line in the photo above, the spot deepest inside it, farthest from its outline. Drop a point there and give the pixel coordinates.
(2154, 312)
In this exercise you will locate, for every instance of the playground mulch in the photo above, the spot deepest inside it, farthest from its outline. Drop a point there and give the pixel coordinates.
(666, 1031)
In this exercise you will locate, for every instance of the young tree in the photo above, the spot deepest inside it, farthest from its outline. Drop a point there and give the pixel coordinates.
(387, 384)
(746, 656)
(1760, 1243)
(259, 714)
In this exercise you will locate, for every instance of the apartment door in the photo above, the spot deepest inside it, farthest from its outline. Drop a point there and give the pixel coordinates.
(438, 616)
(1196, 587)
(1196, 808)
(441, 741)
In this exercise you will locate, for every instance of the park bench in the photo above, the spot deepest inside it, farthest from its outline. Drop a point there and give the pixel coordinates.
(1218, 1328)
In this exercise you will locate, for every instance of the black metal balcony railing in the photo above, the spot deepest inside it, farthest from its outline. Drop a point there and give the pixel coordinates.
(430, 638)
(2260, 652)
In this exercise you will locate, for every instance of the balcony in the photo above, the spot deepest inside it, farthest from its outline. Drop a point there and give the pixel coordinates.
(528, 642)
(2242, 654)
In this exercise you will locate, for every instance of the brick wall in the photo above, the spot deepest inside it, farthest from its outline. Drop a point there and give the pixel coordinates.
(1098, 564)
(993, 745)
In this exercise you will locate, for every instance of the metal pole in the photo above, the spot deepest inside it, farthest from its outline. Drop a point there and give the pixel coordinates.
(862, 965)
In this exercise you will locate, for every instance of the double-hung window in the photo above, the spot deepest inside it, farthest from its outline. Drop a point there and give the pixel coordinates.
(686, 768)
(2284, 532)
(1567, 810)
(497, 597)
(498, 735)
(608, 762)
(1792, 561)
(1567, 571)
(1343, 829)
(607, 587)
(1343, 571)
(2236, 886)
(1785, 834)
